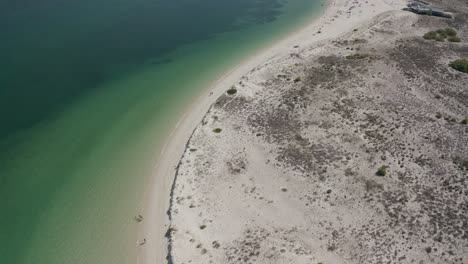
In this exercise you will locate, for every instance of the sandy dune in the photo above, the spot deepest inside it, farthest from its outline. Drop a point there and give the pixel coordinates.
(269, 177)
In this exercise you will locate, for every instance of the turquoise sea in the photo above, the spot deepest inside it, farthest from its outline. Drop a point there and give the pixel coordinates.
(88, 91)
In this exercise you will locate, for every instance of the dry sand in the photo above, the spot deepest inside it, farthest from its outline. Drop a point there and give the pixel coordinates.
(284, 169)
(231, 197)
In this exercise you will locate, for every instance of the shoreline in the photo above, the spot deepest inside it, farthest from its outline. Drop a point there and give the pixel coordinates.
(156, 221)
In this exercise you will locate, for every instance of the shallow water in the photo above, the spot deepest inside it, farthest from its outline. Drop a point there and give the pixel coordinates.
(88, 90)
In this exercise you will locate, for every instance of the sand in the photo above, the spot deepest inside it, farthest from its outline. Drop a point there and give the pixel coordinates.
(340, 17)
(352, 149)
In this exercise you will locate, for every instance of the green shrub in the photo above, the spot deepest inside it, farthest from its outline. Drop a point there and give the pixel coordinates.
(382, 171)
(430, 35)
(450, 32)
(464, 122)
(217, 130)
(461, 163)
(464, 165)
(232, 91)
(454, 39)
(460, 65)
(441, 33)
(440, 38)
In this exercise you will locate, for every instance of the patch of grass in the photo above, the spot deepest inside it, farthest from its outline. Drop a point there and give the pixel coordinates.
(454, 39)
(464, 121)
(441, 34)
(460, 65)
(382, 171)
(298, 79)
(232, 91)
(217, 130)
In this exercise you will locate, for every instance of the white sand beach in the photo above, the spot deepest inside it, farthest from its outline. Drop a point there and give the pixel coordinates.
(339, 18)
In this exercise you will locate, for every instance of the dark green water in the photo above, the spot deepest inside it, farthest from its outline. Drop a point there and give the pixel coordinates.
(88, 91)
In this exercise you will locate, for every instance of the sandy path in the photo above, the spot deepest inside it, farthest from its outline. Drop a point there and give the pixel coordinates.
(340, 17)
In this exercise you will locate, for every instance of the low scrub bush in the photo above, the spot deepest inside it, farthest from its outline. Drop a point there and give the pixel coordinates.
(461, 163)
(439, 38)
(441, 34)
(382, 171)
(430, 35)
(232, 91)
(454, 39)
(450, 32)
(464, 165)
(460, 65)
